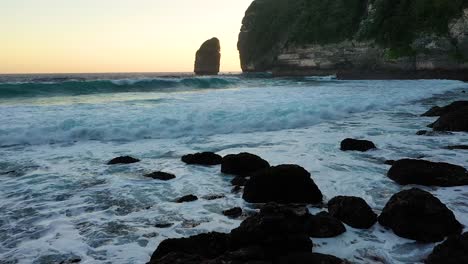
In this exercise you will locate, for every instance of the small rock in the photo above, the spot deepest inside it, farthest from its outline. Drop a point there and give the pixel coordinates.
(353, 211)
(233, 213)
(461, 147)
(239, 181)
(323, 225)
(159, 175)
(453, 251)
(243, 164)
(422, 132)
(418, 215)
(204, 158)
(123, 160)
(350, 144)
(282, 184)
(422, 172)
(214, 197)
(187, 198)
(164, 225)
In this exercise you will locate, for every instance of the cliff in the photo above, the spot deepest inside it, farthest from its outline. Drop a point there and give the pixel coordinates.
(357, 38)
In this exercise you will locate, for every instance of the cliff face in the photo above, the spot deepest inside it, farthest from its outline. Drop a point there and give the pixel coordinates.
(357, 38)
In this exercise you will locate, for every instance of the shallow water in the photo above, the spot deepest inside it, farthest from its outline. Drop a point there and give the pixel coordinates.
(60, 201)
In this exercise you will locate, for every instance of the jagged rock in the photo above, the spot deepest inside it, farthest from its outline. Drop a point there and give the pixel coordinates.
(203, 158)
(243, 164)
(455, 121)
(282, 184)
(418, 215)
(239, 181)
(310, 258)
(123, 160)
(233, 213)
(439, 111)
(353, 211)
(350, 144)
(159, 175)
(207, 58)
(323, 225)
(422, 172)
(187, 198)
(453, 251)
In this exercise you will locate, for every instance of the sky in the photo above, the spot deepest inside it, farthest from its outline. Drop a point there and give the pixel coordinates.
(68, 36)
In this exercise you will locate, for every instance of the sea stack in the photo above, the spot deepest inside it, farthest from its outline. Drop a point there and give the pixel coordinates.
(208, 58)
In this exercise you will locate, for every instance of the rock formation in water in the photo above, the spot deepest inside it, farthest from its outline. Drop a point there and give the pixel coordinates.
(207, 59)
(356, 38)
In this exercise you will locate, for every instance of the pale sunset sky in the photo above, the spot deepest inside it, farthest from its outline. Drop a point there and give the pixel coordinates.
(66, 36)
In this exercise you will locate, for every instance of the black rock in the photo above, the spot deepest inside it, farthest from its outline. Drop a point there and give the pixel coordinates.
(204, 158)
(123, 160)
(282, 184)
(353, 211)
(422, 132)
(239, 181)
(458, 147)
(159, 175)
(214, 197)
(453, 251)
(236, 189)
(310, 258)
(243, 164)
(164, 225)
(187, 198)
(233, 213)
(455, 121)
(422, 172)
(323, 225)
(350, 144)
(439, 111)
(418, 215)
(207, 58)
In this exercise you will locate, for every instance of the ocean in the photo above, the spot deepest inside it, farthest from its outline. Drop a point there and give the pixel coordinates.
(60, 201)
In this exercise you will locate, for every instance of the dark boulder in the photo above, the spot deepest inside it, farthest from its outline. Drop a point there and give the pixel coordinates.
(282, 184)
(233, 213)
(243, 164)
(453, 251)
(212, 197)
(204, 158)
(418, 215)
(455, 121)
(350, 144)
(422, 172)
(458, 147)
(422, 132)
(123, 160)
(323, 225)
(353, 211)
(207, 58)
(310, 258)
(164, 225)
(187, 198)
(439, 111)
(159, 175)
(239, 181)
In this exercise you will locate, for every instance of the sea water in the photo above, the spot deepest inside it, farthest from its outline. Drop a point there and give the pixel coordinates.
(60, 201)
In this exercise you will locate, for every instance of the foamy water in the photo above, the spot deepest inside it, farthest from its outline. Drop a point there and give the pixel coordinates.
(60, 201)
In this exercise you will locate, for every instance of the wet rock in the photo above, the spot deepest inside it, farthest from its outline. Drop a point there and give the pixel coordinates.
(233, 213)
(282, 184)
(422, 172)
(159, 175)
(439, 111)
(123, 160)
(453, 251)
(243, 164)
(310, 258)
(164, 225)
(458, 147)
(239, 181)
(421, 133)
(187, 198)
(207, 58)
(389, 162)
(323, 225)
(455, 121)
(353, 211)
(204, 158)
(350, 144)
(214, 197)
(418, 215)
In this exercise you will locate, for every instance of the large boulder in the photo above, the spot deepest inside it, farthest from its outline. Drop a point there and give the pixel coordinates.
(438, 111)
(353, 211)
(418, 215)
(456, 121)
(323, 225)
(350, 144)
(208, 57)
(422, 172)
(453, 251)
(203, 158)
(243, 164)
(282, 184)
